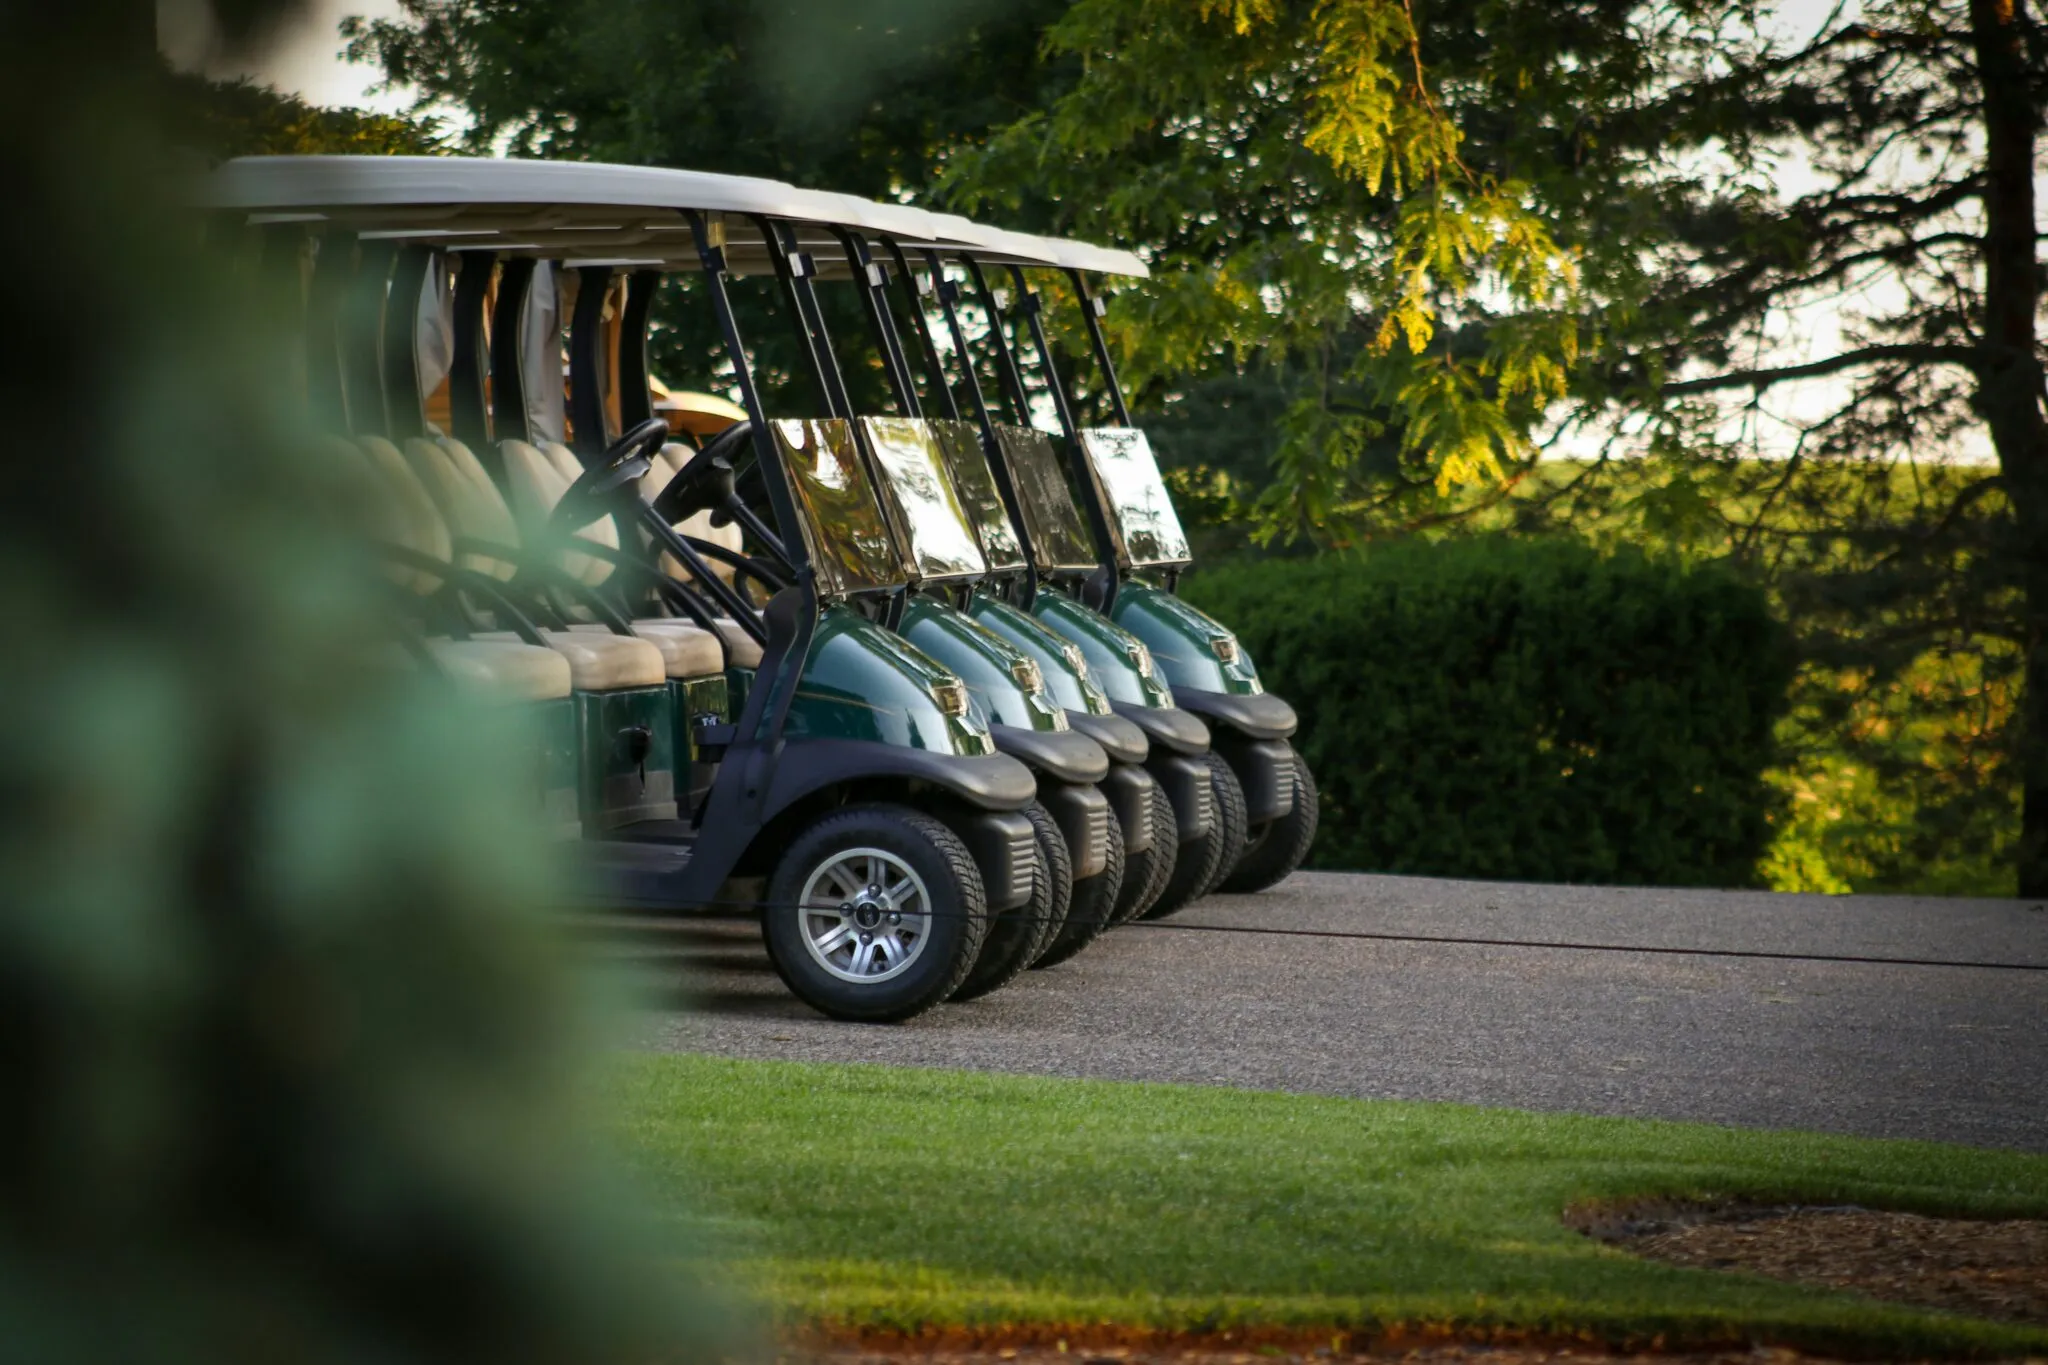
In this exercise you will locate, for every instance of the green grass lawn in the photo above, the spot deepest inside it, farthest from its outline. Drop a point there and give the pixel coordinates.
(869, 1197)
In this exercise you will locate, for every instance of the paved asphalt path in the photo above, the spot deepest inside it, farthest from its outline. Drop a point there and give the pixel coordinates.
(1956, 1054)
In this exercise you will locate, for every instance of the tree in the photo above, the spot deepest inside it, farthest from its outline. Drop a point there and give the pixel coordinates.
(1304, 197)
(1719, 182)
(1881, 168)
(223, 119)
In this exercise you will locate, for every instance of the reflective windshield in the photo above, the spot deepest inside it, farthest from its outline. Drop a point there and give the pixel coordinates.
(851, 548)
(1059, 538)
(975, 482)
(1140, 512)
(915, 480)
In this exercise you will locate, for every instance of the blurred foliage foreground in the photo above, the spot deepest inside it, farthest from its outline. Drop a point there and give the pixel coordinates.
(292, 1068)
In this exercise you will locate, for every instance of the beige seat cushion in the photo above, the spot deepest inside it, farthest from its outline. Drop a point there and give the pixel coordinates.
(503, 671)
(537, 484)
(665, 465)
(474, 509)
(601, 662)
(745, 651)
(662, 466)
(687, 650)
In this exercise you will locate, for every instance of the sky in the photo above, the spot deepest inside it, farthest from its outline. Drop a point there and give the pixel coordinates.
(304, 60)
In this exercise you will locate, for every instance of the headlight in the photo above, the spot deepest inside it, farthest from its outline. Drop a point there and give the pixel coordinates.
(1025, 671)
(1075, 657)
(951, 696)
(1142, 657)
(1225, 647)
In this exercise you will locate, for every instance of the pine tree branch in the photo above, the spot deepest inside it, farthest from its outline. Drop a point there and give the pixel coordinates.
(1921, 353)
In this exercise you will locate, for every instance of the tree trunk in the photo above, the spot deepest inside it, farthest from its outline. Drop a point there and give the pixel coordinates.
(2010, 381)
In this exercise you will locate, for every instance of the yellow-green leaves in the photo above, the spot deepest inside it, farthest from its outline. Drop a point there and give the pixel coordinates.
(1299, 191)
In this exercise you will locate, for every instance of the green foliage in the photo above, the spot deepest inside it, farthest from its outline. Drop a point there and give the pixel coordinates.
(225, 119)
(1522, 710)
(294, 1063)
(1299, 189)
(1045, 1203)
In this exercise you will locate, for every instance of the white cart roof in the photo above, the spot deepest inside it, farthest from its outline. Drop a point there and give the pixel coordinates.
(581, 212)
(597, 213)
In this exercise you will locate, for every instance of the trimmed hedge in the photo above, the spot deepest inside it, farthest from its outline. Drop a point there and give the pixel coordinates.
(1525, 710)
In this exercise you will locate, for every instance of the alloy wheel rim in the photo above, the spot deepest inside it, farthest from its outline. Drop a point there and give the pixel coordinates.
(865, 915)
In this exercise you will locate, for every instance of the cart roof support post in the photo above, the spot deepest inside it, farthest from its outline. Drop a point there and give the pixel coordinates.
(914, 290)
(1031, 308)
(767, 707)
(873, 281)
(949, 298)
(798, 272)
(791, 266)
(1011, 377)
(1101, 588)
(636, 396)
(508, 373)
(1091, 313)
(469, 409)
(591, 432)
(361, 338)
(404, 405)
(325, 294)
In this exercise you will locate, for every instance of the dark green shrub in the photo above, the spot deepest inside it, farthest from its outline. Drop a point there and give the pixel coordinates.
(1528, 710)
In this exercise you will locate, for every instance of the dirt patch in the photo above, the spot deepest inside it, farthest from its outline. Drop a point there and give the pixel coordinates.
(1983, 1268)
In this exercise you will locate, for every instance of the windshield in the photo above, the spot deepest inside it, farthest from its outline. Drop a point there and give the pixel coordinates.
(851, 548)
(1059, 538)
(914, 479)
(975, 482)
(1140, 511)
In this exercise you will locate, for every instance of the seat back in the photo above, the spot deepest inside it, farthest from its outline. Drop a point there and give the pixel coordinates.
(537, 482)
(474, 509)
(411, 518)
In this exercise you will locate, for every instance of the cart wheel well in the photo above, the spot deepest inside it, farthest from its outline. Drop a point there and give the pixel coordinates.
(774, 836)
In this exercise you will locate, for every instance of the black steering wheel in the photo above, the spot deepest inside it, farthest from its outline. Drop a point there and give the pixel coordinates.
(706, 481)
(596, 488)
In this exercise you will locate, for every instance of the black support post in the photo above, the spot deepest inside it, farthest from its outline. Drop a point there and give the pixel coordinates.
(636, 397)
(469, 412)
(404, 405)
(508, 360)
(587, 364)
(1091, 313)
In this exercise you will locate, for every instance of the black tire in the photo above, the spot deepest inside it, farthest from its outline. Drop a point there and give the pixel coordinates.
(1094, 901)
(1203, 862)
(952, 930)
(1017, 937)
(1277, 847)
(1146, 874)
(1228, 793)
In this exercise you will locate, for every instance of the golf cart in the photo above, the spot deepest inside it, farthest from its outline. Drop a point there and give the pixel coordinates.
(1141, 552)
(857, 779)
(1035, 685)
(1058, 558)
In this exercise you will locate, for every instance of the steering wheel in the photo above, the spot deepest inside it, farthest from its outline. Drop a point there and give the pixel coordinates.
(705, 482)
(592, 495)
